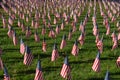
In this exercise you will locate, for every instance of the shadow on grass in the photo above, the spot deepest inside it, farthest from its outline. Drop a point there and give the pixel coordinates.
(51, 68)
(96, 79)
(78, 62)
(26, 72)
(44, 55)
(107, 58)
(10, 50)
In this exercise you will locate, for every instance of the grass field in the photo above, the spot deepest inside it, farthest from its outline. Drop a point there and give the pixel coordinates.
(80, 66)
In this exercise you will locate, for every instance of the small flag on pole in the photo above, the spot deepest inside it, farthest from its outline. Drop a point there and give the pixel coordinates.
(38, 74)
(55, 54)
(107, 76)
(118, 62)
(75, 49)
(6, 75)
(44, 45)
(22, 46)
(28, 57)
(96, 64)
(65, 71)
(15, 41)
(63, 43)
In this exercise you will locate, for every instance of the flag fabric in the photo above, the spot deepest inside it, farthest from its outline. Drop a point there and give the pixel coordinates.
(22, 46)
(28, 57)
(22, 26)
(4, 22)
(75, 49)
(115, 45)
(100, 45)
(114, 37)
(38, 74)
(65, 71)
(10, 32)
(10, 20)
(15, 41)
(6, 75)
(1, 64)
(108, 30)
(107, 76)
(63, 42)
(81, 38)
(43, 30)
(44, 45)
(96, 64)
(70, 34)
(52, 33)
(28, 32)
(62, 25)
(57, 29)
(55, 53)
(36, 36)
(97, 38)
(118, 62)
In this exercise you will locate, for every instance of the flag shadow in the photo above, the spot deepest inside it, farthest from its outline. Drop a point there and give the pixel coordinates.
(78, 62)
(51, 68)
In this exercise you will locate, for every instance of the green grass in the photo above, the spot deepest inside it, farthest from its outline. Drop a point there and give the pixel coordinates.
(80, 66)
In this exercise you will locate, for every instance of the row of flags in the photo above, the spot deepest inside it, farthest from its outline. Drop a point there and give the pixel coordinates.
(62, 11)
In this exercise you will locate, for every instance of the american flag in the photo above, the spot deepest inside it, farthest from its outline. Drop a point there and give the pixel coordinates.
(63, 43)
(38, 74)
(81, 38)
(55, 21)
(75, 49)
(57, 29)
(107, 76)
(37, 38)
(96, 64)
(65, 71)
(114, 36)
(97, 38)
(10, 32)
(28, 57)
(115, 45)
(15, 41)
(70, 34)
(108, 30)
(44, 45)
(118, 61)
(6, 75)
(1, 64)
(43, 30)
(81, 26)
(22, 46)
(28, 32)
(4, 22)
(55, 54)
(100, 45)
(10, 20)
(62, 25)
(52, 33)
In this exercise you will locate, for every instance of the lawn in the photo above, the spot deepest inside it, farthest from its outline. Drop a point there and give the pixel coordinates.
(81, 66)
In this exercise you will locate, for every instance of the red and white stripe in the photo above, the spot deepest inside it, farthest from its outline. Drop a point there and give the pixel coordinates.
(55, 55)
(96, 65)
(65, 72)
(38, 75)
(28, 58)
